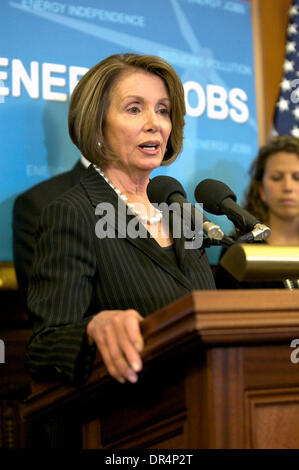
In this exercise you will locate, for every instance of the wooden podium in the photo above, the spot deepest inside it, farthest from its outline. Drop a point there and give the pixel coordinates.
(218, 374)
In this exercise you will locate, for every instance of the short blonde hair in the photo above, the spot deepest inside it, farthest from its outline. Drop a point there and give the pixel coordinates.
(90, 100)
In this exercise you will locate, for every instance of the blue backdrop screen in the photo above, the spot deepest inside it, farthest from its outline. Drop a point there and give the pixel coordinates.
(46, 47)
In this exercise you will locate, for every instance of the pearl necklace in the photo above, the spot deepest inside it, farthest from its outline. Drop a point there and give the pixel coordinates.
(148, 220)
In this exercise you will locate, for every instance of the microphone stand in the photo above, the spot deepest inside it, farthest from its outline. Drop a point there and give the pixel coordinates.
(226, 241)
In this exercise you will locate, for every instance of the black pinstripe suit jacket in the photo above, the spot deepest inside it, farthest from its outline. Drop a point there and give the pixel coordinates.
(27, 209)
(75, 274)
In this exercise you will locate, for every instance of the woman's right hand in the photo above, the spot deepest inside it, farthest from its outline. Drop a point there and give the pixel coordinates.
(118, 338)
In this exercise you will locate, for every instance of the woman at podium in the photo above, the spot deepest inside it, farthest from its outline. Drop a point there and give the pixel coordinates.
(93, 280)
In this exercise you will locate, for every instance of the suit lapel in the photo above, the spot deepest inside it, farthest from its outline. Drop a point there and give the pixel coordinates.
(98, 191)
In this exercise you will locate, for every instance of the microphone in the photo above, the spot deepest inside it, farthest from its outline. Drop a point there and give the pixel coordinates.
(167, 189)
(217, 198)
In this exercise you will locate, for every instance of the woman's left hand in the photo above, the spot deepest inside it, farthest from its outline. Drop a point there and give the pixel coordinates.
(118, 338)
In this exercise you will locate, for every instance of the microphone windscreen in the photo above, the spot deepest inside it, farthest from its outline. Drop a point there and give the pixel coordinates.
(162, 187)
(211, 193)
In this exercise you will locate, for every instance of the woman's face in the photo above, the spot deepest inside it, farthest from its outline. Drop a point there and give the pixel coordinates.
(280, 185)
(137, 124)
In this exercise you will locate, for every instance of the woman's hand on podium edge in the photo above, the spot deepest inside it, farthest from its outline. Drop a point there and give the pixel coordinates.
(118, 338)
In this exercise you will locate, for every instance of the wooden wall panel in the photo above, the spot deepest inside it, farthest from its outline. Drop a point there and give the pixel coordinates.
(270, 19)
